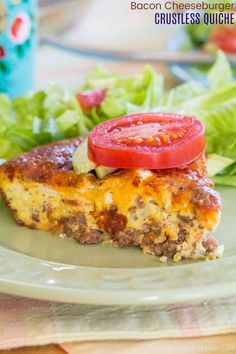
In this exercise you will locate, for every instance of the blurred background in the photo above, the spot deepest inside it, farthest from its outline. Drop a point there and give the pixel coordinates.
(108, 24)
(103, 23)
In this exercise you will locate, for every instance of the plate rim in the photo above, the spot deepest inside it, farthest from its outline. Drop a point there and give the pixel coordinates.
(113, 286)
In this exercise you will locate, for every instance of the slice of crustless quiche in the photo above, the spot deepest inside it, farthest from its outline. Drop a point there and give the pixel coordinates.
(167, 212)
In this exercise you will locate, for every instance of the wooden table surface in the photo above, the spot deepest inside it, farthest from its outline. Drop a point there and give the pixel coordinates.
(48, 349)
(222, 344)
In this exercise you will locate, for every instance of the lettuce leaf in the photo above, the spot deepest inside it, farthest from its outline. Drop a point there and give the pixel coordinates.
(227, 175)
(124, 94)
(220, 75)
(225, 180)
(43, 117)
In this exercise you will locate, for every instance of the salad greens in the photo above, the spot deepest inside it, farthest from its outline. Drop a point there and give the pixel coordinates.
(55, 114)
(215, 105)
(198, 34)
(35, 120)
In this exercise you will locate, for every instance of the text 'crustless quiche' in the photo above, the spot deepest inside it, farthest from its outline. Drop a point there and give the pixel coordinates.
(139, 180)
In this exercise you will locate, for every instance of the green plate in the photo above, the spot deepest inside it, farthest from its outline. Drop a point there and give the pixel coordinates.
(38, 265)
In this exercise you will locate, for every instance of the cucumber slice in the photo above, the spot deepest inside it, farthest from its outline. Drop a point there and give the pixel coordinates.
(102, 171)
(80, 161)
(217, 163)
(82, 164)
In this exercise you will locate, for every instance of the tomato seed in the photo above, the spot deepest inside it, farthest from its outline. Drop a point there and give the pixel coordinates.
(174, 136)
(150, 139)
(138, 140)
(165, 139)
(157, 140)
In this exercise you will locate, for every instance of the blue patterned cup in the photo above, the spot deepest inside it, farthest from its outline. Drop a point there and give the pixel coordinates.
(17, 46)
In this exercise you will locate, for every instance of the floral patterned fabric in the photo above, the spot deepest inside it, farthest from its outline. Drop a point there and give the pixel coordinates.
(17, 46)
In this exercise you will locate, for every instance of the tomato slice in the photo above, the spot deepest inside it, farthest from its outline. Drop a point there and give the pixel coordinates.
(91, 98)
(224, 39)
(147, 140)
